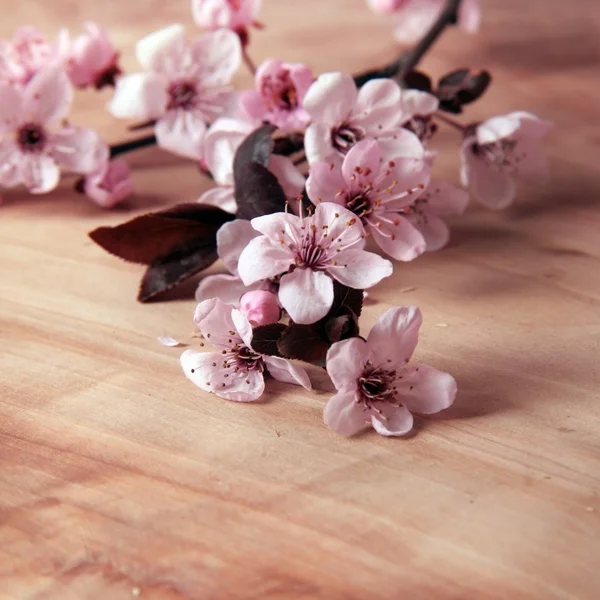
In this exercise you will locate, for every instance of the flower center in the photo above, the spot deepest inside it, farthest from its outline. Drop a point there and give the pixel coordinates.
(345, 136)
(279, 91)
(182, 94)
(311, 253)
(501, 155)
(423, 127)
(376, 385)
(359, 203)
(31, 137)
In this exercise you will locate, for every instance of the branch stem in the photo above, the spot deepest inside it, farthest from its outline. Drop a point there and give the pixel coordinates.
(115, 150)
(449, 121)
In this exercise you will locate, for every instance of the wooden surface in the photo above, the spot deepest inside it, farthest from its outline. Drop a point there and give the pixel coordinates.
(118, 478)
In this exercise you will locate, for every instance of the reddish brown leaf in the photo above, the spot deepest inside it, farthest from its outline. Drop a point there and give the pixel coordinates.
(265, 338)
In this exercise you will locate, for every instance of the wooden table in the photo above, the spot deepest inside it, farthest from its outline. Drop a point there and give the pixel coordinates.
(118, 478)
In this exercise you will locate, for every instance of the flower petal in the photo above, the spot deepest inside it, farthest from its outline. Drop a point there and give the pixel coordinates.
(445, 199)
(325, 184)
(378, 105)
(434, 231)
(395, 335)
(363, 157)
(214, 319)
(232, 238)
(394, 421)
(492, 188)
(228, 288)
(272, 225)
(344, 415)
(359, 269)
(156, 51)
(141, 96)
(402, 241)
(497, 128)
(10, 107)
(262, 259)
(218, 55)
(286, 371)
(330, 98)
(318, 145)
(221, 196)
(252, 104)
(306, 295)
(346, 362)
(531, 126)
(204, 370)
(168, 341)
(416, 103)
(242, 326)
(182, 133)
(395, 143)
(289, 177)
(79, 149)
(39, 173)
(426, 390)
(48, 96)
(534, 165)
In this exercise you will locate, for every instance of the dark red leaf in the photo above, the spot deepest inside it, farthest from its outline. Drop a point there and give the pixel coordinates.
(150, 236)
(342, 327)
(346, 297)
(461, 87)
(257, 191)
(257, 147)
(180, 263)
(416, 80)
(304, 342)
(265, 338)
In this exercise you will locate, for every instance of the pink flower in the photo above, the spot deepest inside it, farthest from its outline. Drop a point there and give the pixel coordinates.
(375, 384)
(378, 193)
(417, 110)
(260, 307)
(35, 142)
(237, 15)
(500, 150)
(439, 200)
(236, 372)
(413, 18)
(23, 56)
(280, 91)
(308, 252)
(220, 145)
(110, 185)
(186, 86)
(92, 58)
(342, 116)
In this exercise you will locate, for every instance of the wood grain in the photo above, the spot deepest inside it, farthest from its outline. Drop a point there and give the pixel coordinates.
(119, 478)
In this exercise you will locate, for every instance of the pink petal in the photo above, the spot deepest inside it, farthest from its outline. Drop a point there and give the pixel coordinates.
(232, 238)
(262, 259)
(533, 167)
(426, 390)
(218, 55)
(330, 98)
(109, 185)
(364, 156)
(341, 223)
(414, 19)
(242, 326)
(251, 102)
(361, 269)
(141, 96)
(272, 225)
(417, 103)
(289, 177)
(78, 149)
(48, 96)
(318, 146)
(39, 173)
(346, 363)
(395, 421)
(400, 142)
(240, 387)
(228, 288)
(445, 199)
(378, 105)
(302, 284)
(286, 371)
(221, 197)
(10, 107)
(170, 342)
(182, 133)
(497, 128)
(434, 231)
(156, 51)
(492, 188)
(214, 320)
(530, 125)
(395, 335)
(344, 415)
(402, 241)
(324, 184)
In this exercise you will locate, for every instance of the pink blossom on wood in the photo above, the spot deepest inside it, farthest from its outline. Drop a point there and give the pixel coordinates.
(110, 185)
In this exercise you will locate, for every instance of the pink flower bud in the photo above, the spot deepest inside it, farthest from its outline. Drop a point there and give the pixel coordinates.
(260, 307)
(109, 186)
(92, 58)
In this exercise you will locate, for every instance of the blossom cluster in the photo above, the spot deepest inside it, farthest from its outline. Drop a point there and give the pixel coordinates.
(322, 184)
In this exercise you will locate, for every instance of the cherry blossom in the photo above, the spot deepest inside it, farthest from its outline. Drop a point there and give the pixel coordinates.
(186, 86)
(439, 200)
(413, 18)
(501, 150)
(375, 384)
(279, 94)
(236, 15)
(220, 145)
(92, 58)
(308, 252)
(35, 142)
(23, 56)
(236, 372)
(342, 116)
(378, 192)
(417, 110)
(110, 185)
(260, 307)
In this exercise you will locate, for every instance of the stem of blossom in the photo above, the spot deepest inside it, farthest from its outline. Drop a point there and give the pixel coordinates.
(117, 149)
(249, 62)
(408, 60)
(442, 117)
